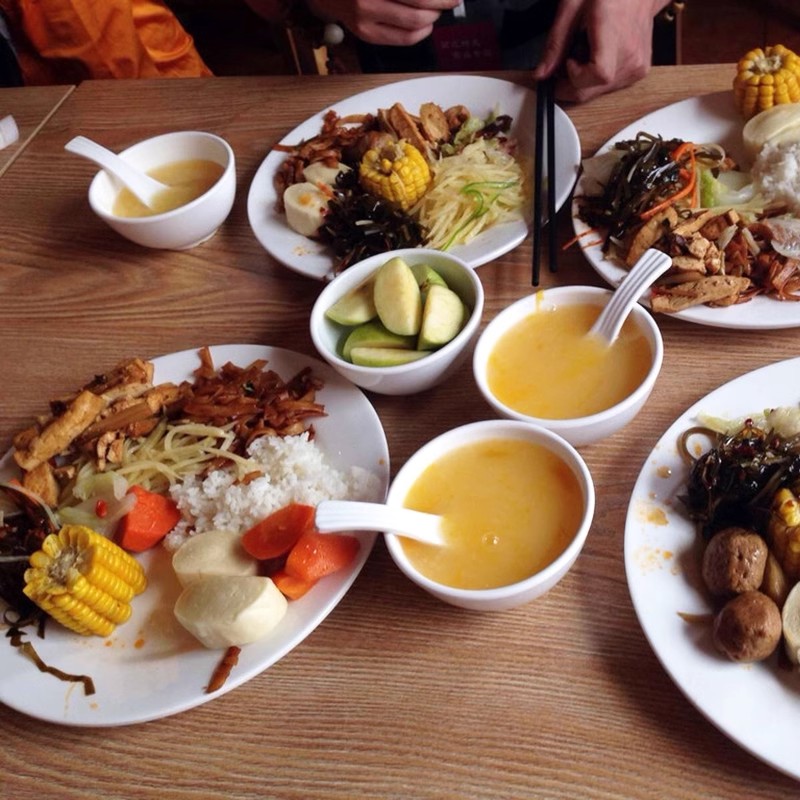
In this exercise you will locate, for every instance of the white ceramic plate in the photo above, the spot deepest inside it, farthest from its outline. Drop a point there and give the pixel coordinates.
(756, 705)
(481, 95)
(705, 119)
(152, 668)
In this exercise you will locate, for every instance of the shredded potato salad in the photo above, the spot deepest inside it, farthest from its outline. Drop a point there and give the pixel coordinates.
(473, 190)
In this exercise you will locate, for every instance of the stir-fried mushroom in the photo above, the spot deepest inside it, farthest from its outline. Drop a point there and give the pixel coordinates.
(434, 123)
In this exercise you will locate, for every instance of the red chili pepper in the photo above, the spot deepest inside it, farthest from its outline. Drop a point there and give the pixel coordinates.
(101, 508)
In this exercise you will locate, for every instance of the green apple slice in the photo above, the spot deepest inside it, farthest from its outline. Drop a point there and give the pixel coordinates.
(356, 306)
(442, 318)
(426, 277)
(384, 356)
(375, 334)
(397, 298)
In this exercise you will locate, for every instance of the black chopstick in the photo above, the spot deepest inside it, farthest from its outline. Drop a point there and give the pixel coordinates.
(545, 154)
(551, 176)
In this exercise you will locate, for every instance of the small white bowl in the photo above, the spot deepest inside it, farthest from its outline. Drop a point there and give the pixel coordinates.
(523, 591)
(416, 376)
(578, 430)
(183, 227)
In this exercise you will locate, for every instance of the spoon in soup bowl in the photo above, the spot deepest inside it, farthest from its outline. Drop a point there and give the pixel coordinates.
(652, 264)
(139, 183)
(353, 515)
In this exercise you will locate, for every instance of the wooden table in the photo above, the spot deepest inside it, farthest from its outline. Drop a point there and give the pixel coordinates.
(395, 695)
(31, 107)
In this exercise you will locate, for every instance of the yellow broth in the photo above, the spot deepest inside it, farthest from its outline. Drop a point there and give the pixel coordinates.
(547, 367)
(510, 508)
(186, 180)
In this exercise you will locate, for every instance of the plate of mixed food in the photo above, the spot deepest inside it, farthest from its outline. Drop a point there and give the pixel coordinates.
(443, 162)
(719, 194)
(712, 557)
(157, 539)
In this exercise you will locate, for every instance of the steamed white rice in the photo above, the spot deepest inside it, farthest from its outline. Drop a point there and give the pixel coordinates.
(294, 470)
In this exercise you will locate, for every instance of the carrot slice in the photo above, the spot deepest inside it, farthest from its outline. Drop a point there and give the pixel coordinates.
(152, 517)
(681, 149)
(319, 554)
(687, 174)
(276, 534)
(289, 585)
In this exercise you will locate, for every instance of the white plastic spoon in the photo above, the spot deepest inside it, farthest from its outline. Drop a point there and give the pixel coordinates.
(352, 515)
(142, 185)
(649, 267)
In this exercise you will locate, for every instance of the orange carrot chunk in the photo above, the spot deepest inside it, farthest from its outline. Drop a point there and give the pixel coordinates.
(319, 554)
(289, 585)
(276, 534)
(152, 517)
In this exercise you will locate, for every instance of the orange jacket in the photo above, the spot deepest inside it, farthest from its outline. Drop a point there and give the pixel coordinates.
(66, 41)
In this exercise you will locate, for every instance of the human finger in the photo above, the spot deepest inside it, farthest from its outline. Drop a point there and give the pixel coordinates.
(558, 41)
(389, 22)
(382, 34)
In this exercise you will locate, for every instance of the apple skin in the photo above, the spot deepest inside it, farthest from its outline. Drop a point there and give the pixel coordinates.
(385, 356)
(375, 334)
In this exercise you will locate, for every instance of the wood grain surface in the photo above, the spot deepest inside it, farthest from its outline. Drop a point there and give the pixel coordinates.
(395, 695)
(30, 106)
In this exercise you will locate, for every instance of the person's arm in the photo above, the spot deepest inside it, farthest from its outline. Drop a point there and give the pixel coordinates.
(387, 22)
(620, 39)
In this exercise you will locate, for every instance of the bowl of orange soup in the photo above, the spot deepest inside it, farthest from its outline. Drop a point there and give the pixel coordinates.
(536, 362)
(199, 170)
(517, 503)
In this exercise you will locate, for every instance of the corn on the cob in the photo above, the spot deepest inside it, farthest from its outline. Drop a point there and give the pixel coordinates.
(83, 580)
(765, 78)
(784, 532)
(397, 172)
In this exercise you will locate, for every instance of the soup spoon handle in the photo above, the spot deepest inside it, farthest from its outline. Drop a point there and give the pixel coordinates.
(352, 515)
(649, 267)
(141, 184)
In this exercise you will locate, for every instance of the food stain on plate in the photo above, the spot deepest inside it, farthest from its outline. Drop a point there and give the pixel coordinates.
(650, 512)
(649, 558)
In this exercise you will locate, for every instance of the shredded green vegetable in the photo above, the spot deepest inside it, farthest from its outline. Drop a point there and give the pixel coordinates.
(482, 202)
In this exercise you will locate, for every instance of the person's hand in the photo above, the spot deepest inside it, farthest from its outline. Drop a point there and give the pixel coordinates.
(388, 22)
(620, 37)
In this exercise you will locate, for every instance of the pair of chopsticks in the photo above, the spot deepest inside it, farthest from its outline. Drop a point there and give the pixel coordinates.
(545, 154)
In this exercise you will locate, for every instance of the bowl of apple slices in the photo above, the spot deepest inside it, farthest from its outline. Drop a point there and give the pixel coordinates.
(399, 322)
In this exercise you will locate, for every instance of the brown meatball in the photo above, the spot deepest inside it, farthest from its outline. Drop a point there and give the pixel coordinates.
(748, 627)
(734, 561)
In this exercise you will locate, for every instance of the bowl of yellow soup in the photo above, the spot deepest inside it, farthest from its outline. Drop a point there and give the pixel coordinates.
(517, 503)
(535, 362)
(399, 322)
(200, 170)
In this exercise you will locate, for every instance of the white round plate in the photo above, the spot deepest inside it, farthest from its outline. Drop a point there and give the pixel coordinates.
(482, 96)
(705, 119)
(756, 705)
(152, 668)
